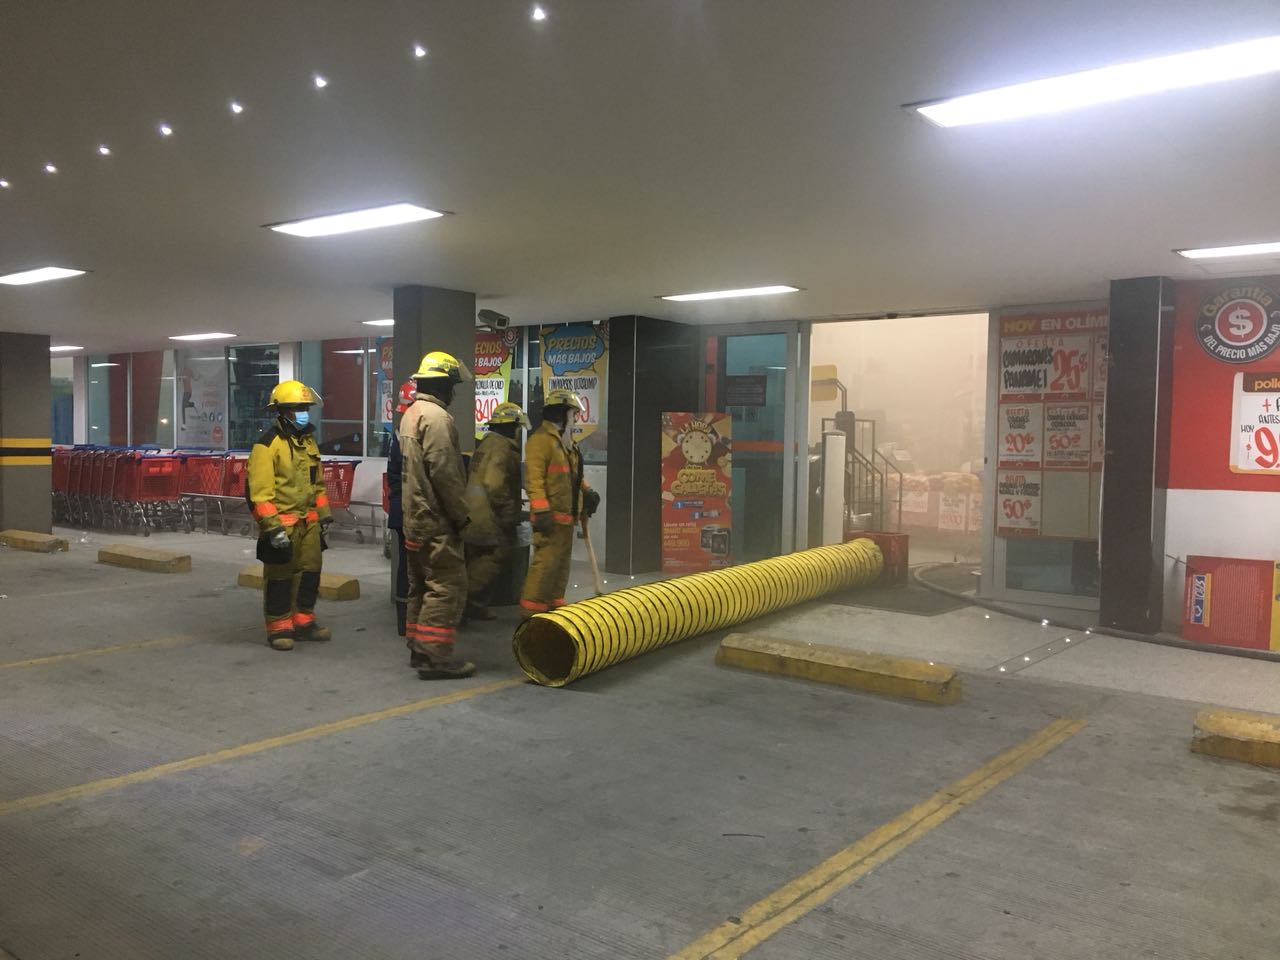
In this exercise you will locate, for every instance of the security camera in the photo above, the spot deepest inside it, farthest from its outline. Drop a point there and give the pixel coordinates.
(494, 319)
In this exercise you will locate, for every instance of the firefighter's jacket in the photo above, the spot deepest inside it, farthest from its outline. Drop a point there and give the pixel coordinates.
(286, 481)
(433, 486)
(493, 491)
(553, 474)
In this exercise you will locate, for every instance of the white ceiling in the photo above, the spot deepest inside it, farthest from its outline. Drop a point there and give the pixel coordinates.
(619, 150)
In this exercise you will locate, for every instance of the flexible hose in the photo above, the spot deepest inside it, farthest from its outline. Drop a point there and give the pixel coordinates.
(558, 647)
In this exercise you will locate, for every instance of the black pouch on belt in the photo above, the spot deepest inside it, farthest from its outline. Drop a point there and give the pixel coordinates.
(273, 555)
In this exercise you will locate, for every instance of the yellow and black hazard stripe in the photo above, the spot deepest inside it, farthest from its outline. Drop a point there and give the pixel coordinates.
(26, 452)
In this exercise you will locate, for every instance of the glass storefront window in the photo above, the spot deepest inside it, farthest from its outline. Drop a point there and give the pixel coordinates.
(340, 426)
(200, 389)
(151, 387)
(109, 399)
(62, 384)
(252, 373)
(381, 391)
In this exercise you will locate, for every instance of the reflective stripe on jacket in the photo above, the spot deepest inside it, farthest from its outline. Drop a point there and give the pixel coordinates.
(553, 474)
(433, 487)
(286, 482)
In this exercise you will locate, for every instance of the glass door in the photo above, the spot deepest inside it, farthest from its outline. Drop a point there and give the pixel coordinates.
(751, 375)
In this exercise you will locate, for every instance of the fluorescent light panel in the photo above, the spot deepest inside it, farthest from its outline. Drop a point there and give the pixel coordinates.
(1240, 250)
(64, 349)
(39, 275)
(325, 226)
(728, 294)
(97, 365)
(204, 336)
(379, 323)
(1232, 61)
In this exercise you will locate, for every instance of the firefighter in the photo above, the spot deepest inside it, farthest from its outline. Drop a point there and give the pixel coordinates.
(435, 514)
(558, 498)
(493, 503)
(286, 493)
(395, 512)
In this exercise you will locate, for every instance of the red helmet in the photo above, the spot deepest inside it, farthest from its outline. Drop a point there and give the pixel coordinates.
(408, 393)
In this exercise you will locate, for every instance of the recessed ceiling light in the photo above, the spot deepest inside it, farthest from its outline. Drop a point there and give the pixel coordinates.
(329, 224)
(357, 352)
(39, 275)
(50, 168)
(319, 81)
(165, 130)
(204, 336)
(419, 51)
(104, 150)
(236, 107)
(64, 349)
(4, 184)
(1240, 250)
(728, 294)
(1105, 84)
(379, 323)
(99, 365)
(538, 13)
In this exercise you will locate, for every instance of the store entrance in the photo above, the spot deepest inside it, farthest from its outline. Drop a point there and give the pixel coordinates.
(751, 377)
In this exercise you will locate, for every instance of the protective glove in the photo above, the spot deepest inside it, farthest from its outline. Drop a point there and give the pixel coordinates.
(543, 522)
(590, 502)
(279, 539)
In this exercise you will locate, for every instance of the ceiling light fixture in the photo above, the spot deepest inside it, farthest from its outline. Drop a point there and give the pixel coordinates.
(97, 366)
(64, 349)
(368, 219)
(50, 168)
(728, 294)
(39, 275)
(1231, 61)
(165, 130)
(419, 51)
(379, 323)
(1240, 250)
(104, 150)
(538, 13)
(236, 107)
(319, 81)
(204, 336)
(4, 184)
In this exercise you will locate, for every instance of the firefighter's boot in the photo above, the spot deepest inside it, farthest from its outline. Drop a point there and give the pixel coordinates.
(440, 664)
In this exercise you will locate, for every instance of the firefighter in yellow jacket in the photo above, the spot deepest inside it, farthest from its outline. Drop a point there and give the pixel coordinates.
(493, 503)
(286, 493)
(433, 495)
(558, 498)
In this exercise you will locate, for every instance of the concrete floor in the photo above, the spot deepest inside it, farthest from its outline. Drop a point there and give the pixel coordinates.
(624, 816)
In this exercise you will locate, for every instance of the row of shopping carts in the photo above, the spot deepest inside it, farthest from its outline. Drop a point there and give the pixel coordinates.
(141, 490)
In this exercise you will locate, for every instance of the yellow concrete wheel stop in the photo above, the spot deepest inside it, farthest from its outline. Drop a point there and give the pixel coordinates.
(558, 647)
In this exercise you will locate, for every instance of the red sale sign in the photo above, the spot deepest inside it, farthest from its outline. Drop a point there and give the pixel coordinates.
(697, 483)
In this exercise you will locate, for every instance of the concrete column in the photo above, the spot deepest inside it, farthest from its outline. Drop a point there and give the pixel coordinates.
(429, 318)
(26, 465)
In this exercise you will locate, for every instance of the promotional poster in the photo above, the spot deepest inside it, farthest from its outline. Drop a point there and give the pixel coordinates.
(493, 358)
(697, 482)
(202, 399)
(575, 356)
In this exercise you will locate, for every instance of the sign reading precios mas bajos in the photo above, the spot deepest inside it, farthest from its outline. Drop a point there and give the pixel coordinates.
(574, 357)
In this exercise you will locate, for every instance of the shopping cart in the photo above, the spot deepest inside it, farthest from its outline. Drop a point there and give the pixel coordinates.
(77, 486)
(62, 457)
(339, 479)
(201, 481)
(235, 480)
(147, 492)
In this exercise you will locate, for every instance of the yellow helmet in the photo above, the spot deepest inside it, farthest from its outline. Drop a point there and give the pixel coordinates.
(437, 363)
(509, 413)
(562, 398)
(293, 393)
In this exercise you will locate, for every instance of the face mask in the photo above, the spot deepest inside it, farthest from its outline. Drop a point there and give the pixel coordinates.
(302, 418)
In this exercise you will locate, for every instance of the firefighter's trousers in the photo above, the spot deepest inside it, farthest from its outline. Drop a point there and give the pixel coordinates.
(437, 592)
(548, 570)
(289, 590)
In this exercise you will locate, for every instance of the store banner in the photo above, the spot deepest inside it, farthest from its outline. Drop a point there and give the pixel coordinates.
(1053, 379)
(1018, 503)
(697, 482)
(384, 350)
(202, 399)
(575, 357)
(1225, 428)
(494, 351)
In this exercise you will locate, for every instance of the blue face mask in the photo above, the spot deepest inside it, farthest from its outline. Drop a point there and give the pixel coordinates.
(302, 417)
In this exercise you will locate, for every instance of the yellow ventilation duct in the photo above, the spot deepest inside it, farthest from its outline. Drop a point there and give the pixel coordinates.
(559, 647)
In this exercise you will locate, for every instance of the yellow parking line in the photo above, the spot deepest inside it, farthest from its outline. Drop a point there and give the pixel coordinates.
(94, 787)
(812, 889)
(95, 652)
